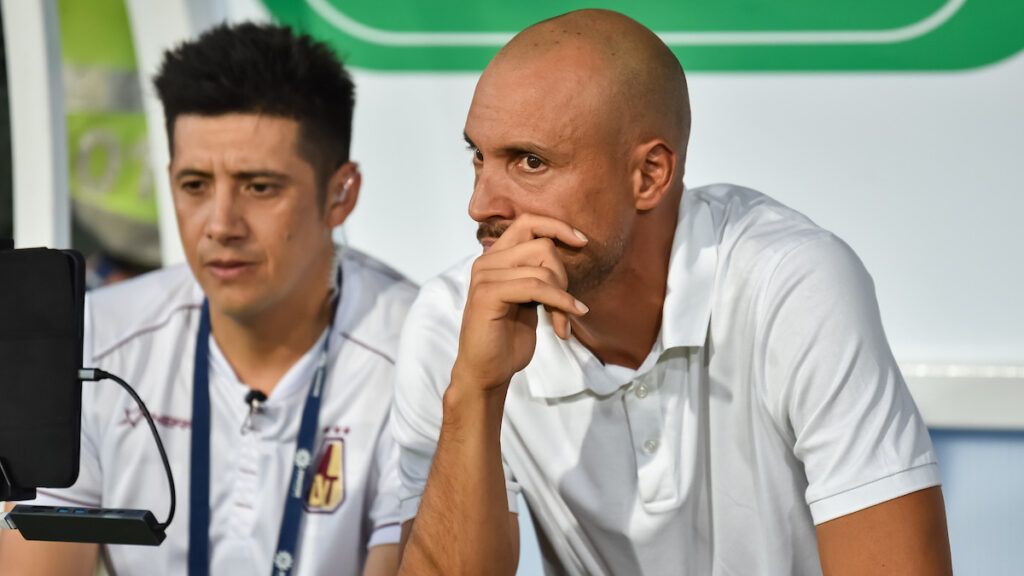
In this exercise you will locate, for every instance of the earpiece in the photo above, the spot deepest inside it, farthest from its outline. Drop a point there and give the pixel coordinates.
(344, 189)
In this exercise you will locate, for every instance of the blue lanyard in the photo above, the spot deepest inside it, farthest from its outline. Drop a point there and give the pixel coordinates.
(199, 496)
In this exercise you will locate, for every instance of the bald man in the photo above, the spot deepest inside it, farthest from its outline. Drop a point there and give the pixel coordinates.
(678, 381)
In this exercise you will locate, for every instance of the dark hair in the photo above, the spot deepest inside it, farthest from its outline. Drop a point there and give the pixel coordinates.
(264, 69)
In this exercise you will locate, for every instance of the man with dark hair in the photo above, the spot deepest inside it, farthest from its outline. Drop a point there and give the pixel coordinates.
(267, 361)
(270, 71)
(705, 387)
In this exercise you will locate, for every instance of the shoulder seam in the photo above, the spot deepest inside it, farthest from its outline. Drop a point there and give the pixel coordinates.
(762, 294)
(131, 336)
(367, 347)
(821, 234)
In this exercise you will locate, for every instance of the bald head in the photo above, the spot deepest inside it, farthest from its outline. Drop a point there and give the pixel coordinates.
(583, 118)
(639, 84)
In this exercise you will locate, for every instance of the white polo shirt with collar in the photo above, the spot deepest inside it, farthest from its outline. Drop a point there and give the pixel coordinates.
(770, 403)
(144, 331)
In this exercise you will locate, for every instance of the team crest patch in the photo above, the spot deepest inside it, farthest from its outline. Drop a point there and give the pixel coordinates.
(327, 488)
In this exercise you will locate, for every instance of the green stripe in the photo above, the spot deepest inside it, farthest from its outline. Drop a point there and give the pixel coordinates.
(977, 33)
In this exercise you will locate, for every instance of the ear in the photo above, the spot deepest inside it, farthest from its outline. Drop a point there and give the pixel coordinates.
(342, 193)
(654, 173)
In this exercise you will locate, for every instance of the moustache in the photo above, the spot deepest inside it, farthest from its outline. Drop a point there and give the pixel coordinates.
(491, 230)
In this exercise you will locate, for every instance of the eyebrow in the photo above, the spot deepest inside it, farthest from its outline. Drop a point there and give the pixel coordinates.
(187, 172)
(243, 175)
(516, 148)
(251, 174)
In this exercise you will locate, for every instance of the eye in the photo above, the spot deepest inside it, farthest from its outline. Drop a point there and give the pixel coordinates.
(262, 188)
(478, 156)
(193, 187)
(530, 163)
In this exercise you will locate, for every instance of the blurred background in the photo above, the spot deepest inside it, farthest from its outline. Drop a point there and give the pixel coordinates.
(897, 125)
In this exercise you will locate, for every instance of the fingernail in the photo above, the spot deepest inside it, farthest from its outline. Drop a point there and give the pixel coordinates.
(582, 307)
(580, 235)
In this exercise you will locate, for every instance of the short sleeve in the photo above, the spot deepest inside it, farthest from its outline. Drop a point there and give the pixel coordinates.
(830, 379)
(429, 345)
(88, 488)
(384, 510)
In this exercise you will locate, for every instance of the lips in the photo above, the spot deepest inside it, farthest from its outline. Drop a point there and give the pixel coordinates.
(228, 269)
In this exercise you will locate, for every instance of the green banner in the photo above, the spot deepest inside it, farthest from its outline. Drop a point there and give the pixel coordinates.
(110, 164)
(706, 35)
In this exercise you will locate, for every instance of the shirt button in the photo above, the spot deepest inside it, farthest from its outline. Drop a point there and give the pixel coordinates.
(650, 447)
(641, 391)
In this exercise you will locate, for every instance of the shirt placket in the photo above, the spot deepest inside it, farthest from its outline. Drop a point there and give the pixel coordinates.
(247, 474)
(655, 410)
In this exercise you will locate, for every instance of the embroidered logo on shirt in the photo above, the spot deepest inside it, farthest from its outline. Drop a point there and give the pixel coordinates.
(133, 416)
(327, 488)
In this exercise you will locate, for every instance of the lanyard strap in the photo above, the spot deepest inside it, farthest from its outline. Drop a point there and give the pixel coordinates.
(199, 488)
(199, 496)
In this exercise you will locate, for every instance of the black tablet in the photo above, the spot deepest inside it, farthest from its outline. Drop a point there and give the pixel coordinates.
(42, 295)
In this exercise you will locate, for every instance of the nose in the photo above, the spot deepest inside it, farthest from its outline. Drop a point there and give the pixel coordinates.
(492, 198)
(225, 222)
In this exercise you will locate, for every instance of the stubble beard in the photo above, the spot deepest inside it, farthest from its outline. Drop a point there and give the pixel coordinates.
(586, 268)
(593, 265)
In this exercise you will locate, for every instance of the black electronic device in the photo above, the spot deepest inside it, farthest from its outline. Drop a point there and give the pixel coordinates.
(42, 295)
(42, 303)
(99, 525)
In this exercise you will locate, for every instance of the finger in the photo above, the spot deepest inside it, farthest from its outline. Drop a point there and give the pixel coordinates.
(530, 226)
(560, 323)
(552, 275)
(539, 252)
(500, 295)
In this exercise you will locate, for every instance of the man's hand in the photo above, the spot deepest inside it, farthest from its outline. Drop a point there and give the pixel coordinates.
(499, 323)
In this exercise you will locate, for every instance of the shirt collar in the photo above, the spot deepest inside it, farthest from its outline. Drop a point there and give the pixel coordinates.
(691, 276)
(558, 367)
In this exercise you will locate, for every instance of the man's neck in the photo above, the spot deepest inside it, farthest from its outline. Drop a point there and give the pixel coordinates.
(262, 350)
(626, 309)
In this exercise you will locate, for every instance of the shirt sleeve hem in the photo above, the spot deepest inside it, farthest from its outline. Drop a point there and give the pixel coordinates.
(872, 493)
(385, 534)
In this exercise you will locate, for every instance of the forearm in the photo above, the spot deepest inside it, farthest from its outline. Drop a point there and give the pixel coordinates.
(463, 525)
(19, 556)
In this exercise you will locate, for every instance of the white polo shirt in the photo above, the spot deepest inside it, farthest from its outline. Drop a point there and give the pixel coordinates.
(145, 330)
(770, 403)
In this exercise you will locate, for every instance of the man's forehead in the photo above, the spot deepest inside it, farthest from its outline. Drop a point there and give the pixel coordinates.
(557, 96)
(239, 138)
(234, 124)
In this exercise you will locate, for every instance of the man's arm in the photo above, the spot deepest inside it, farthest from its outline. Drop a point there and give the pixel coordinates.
(873, 483)
(20, 557)
(513, 518)
(904, 536)
(463, 524)
(382, 561)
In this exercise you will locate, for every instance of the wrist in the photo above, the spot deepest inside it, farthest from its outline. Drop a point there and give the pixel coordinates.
(467, 395)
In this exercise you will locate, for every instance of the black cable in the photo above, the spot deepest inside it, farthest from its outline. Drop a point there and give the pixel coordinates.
(97, 374)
